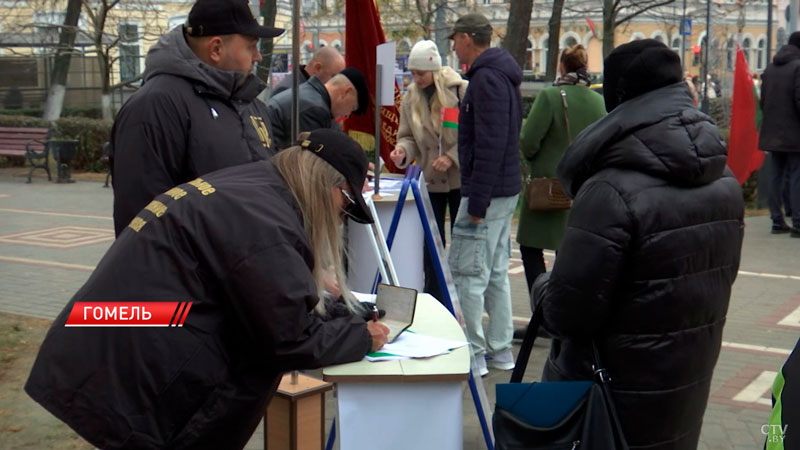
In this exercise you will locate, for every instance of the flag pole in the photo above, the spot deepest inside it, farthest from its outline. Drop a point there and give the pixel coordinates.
(378, 103)
(704, 106)
(295, 122)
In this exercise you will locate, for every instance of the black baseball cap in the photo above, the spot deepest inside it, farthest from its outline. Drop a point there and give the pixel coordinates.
(472, 23)
(220, 17)
(348, 158)
(360, 83)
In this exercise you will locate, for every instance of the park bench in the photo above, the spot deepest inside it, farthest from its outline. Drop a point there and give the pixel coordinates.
(29, 143)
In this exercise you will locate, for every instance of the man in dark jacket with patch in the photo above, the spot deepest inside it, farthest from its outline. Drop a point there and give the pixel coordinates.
(780, 132)
(490, 118)
(321, 104)
(651, 250)
(197, 110)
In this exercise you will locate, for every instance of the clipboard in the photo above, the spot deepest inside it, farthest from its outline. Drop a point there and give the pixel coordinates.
(399, 304)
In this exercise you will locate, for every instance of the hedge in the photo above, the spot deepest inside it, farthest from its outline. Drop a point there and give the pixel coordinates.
(91, 134)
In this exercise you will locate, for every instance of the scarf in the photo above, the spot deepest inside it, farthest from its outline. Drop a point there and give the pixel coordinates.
(579, 77)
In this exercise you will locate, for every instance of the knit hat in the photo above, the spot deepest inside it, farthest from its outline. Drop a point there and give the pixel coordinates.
(425, 56)
(636, 68)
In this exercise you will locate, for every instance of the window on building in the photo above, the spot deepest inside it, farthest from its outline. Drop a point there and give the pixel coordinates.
(569, 41)
(174, 21)
(487, 2)
(747, 48)
(659, 38)
(529, 56)
(46, 24)
(761, 54)
(129, 52)
(543, 54)
(730, 54)
(676, 44)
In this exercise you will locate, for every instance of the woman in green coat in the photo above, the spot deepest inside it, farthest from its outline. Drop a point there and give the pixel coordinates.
(544, 137)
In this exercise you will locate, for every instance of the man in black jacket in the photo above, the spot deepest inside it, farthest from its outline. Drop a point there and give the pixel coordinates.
(321, 104)
(780, 132)
(651, 250)
(489, 122)
(197, 110)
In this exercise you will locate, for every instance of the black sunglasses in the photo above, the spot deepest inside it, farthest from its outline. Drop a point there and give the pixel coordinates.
(349, 208)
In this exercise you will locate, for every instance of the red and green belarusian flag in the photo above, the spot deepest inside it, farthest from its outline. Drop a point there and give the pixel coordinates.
(450, 118)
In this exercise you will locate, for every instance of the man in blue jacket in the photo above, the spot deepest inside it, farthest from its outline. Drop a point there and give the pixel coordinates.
(488, 146)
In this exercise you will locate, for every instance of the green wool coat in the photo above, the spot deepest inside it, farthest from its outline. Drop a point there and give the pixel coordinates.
(543, 140)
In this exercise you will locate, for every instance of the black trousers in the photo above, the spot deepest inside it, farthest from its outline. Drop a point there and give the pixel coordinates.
(533, 263)
(440, 201)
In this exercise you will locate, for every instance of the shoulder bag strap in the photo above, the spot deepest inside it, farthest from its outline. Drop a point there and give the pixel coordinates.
(566, 118)
(526, 347)
(602, 378)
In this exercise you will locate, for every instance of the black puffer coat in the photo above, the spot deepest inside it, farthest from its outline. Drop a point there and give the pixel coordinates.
(650, 253)
(187, 120)
(489, 121)
(780, 101)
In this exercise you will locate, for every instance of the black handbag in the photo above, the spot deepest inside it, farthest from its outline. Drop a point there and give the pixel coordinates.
(555, 415)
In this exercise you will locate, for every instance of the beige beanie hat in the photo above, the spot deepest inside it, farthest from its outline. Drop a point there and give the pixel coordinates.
(424, 56)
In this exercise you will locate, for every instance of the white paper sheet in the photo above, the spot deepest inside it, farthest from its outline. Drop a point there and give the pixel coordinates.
(414, 345)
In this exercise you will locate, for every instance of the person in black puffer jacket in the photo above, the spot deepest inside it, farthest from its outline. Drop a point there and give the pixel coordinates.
(780, 134)
(651, 250)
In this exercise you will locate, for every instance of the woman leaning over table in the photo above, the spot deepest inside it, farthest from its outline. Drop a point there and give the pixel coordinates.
(544, 137)
(430, 136)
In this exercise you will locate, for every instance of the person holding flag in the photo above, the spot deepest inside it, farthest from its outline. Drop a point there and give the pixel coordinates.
(428, 133)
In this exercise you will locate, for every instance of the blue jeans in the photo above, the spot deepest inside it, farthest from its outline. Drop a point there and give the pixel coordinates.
(478, 259)
(784, 168)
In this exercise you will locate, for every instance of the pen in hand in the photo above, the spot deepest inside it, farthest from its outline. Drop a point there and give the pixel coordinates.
(374, 313)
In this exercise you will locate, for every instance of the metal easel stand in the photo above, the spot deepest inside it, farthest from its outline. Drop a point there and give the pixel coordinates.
(443, 275)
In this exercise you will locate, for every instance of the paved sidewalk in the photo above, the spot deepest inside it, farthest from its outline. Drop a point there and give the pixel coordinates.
(51, 237)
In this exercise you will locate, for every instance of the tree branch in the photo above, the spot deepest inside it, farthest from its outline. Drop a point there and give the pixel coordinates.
(643, 10)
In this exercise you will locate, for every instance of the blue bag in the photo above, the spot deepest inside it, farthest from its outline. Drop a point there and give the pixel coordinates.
(555, 415)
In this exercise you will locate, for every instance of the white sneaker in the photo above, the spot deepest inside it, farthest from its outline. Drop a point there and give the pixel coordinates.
(502, 360)
(482, 369)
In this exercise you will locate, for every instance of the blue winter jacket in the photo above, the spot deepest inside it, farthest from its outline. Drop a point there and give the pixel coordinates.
(488, 130)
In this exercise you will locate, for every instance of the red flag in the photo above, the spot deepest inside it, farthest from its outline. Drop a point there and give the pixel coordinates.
(743, 154)
(591, 26)
(363, 33)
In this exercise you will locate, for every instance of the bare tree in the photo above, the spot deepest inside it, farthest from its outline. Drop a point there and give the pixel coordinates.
(618, 12)
(99, 18)
(66, 46)
(516, 39)
(553, 40)
(269, 10)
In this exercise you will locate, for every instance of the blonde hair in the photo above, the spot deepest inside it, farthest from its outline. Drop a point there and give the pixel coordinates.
(311, 181)
(573, 58)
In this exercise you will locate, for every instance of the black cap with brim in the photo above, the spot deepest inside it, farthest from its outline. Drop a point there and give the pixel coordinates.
(348, 158)
(360, 83)
(472, 23)
(221, 17)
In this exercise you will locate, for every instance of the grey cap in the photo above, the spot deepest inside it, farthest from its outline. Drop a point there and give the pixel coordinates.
(472, 23)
